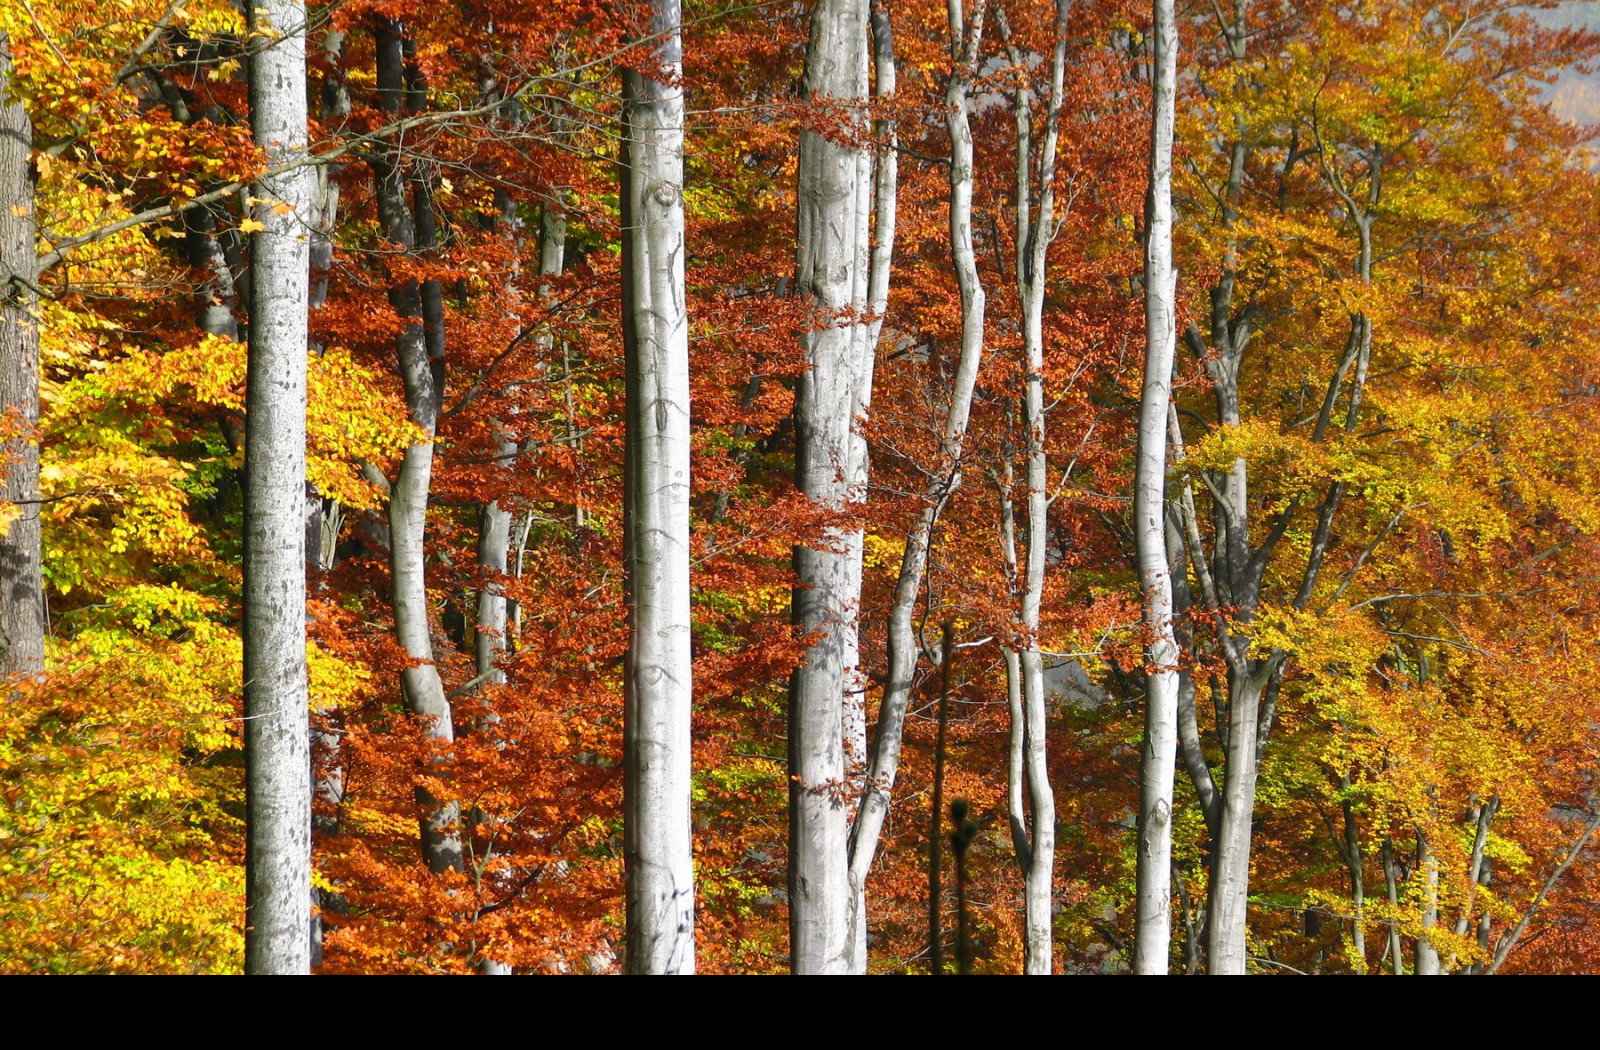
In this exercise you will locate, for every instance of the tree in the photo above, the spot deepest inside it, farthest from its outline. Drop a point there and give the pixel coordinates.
(277, 733)
(1153, 923)
(833, 192)
(22, 625)
(660, 876)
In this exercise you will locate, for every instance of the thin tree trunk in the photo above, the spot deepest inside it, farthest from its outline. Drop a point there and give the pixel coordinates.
(936, 812)
(656, 818)
(22, 617)
(1427, 955)
(1153, 928)
(1036, 226)
(1358, 894)
(422, 373)
(903, 649)
(1392, 886)
(884, 201)
(277, 734)
(827, 596)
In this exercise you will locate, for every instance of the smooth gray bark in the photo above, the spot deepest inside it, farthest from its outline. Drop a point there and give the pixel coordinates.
(826, 602)
(903, 647)
(422, 374)
(22, 614)
(1035, 230)
(656, 729)
(277, 733)
(885, 192)
(1153, 921)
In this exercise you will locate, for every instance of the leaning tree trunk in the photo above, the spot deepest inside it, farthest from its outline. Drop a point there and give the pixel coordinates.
(419, 348)
(1153, 921)
(656, 745)
(21, 576)
(277, 736)
(828, 587)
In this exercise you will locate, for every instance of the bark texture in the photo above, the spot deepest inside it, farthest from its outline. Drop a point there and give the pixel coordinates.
(1153, 918)
(420, 349)
(830, 261)
(22, 616)
(277, 734)
(656, 819)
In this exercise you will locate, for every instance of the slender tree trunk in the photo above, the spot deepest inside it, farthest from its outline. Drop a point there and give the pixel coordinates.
(277, 734)
(1392, 887)
(22, 617)
(422, 373)
(903, 649)
(1358, 894)
(884, 194)
(1036, 224)
(660, 878)
(1428, 866)
(1153, 930)
(936, 812)
(827, 596)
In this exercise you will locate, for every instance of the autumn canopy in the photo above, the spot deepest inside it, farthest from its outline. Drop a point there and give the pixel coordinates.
(856, 486)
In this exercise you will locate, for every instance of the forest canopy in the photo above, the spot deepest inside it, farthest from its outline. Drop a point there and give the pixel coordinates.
(854, 486)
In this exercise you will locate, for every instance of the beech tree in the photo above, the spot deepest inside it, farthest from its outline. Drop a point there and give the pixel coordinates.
(277, 733)
(833, 194)
(660, 876)
(22, 625)
(1153, 922)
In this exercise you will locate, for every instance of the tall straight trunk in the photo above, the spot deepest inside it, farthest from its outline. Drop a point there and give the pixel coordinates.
(1035, 229)
(656, 818)
(22, 617)
(827, 595)
(1153, 923)
(277, 732)
(422, 374)
(903, 649)
(885, 189)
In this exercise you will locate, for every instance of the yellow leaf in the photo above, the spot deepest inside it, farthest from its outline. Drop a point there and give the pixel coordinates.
(251, 226)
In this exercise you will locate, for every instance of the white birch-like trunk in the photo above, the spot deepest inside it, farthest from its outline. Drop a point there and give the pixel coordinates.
(659, 873)
(1153, 921)
(22, 616)
(903, 649)
(884, 201)
(422, 374)
(277, 735)
(827, 596)
(1036, 224)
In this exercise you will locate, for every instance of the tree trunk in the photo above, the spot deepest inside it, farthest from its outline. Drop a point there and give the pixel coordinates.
(903, 649)
(656, 817)
(827, 595)
(22, 615)
(1227, 936)
(422, 373)
(1153, 929)
(884, 202)
(277, 734)
(1428, 866)
(1358, 893)
(1035, 230)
